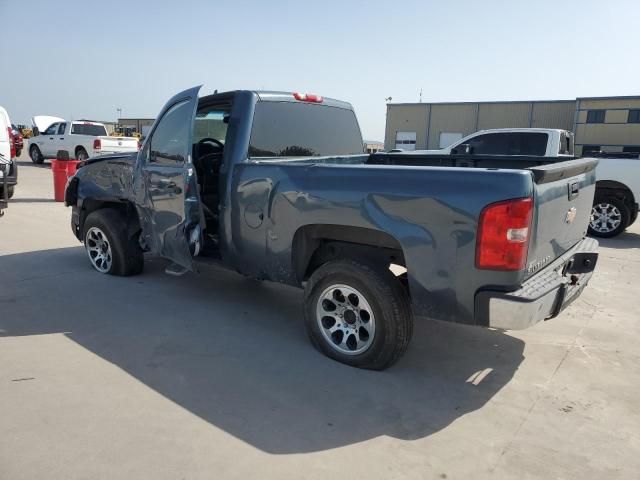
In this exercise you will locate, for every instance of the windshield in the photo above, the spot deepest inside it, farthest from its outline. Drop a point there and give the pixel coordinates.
(210, 124)
(90, 129)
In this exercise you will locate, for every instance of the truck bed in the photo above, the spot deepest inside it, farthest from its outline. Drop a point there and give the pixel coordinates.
(432, 211)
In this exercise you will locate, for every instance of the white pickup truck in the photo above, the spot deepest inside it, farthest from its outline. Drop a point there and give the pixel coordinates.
(532, 142)
(617, 194)
(81, 139)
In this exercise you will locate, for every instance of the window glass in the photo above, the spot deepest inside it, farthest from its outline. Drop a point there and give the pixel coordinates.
(510, 143)
(291, 129)
(211, 124)
(631, 149)
(88, 129)
(170, 140)
(634, 116)
(61, 128)
(595, 116)
(51, 130)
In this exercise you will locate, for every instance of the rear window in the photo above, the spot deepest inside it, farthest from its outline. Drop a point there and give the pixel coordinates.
(510, 143)
(289, 129)
(88, 129)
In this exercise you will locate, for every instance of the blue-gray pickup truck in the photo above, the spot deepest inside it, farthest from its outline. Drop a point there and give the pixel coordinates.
(276, 187)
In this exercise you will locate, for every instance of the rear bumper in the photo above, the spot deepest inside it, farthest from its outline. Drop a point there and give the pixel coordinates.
(542, 296)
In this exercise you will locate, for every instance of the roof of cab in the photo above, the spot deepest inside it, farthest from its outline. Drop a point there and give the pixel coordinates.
(275, 96)
(272, 96)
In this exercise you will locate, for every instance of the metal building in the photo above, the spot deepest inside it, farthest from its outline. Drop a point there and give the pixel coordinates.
(415, 126)
(141, 125)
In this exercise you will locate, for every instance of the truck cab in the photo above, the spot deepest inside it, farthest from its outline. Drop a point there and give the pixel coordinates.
(533, 142)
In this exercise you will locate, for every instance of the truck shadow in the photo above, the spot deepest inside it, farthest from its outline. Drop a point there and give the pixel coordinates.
(233, 352)
(625, 241)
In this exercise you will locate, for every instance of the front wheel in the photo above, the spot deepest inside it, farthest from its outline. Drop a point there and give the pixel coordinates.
(110, 248)
(609, 217)
(358, 313)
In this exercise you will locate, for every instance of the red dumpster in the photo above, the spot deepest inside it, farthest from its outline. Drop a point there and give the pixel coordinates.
(72, 166)
(62, 170)
(59, 169)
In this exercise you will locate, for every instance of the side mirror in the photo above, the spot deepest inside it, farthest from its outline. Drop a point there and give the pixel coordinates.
(466, 148)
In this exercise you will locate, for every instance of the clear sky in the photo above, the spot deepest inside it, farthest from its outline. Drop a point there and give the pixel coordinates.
(85, 59)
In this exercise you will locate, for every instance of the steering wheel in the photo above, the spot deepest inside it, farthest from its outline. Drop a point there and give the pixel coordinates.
(211, 140)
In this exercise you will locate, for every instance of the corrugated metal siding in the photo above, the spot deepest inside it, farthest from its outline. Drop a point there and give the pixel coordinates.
(453, 118)
(553, 115)
(504, 115)
(406, 118)
(608, 134)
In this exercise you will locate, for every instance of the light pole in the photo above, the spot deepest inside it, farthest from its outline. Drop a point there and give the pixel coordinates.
(119, 110)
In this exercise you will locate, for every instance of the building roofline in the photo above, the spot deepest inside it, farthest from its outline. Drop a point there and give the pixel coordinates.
(491, 102)
(485, 102)
(623, 97)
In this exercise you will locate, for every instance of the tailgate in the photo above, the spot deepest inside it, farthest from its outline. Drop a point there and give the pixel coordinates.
(119, 144)
(563, 197)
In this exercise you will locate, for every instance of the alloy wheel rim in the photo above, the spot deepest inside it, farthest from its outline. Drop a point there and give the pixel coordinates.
(345, 319)
(99, 249)
(605, 217)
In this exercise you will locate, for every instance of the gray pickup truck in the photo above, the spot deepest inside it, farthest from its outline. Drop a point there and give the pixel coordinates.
(276, 187)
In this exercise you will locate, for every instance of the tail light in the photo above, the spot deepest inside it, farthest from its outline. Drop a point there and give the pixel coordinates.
(97, 144)
(12, 143)
(308, 97)
(503, 235)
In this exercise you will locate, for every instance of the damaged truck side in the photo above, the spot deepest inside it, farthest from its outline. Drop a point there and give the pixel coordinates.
(275, 186)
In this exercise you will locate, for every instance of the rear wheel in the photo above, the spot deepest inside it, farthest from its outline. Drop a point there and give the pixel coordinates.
(109, 247)
(36, 155)
(609, 217)
(358, 313)
(81, 154)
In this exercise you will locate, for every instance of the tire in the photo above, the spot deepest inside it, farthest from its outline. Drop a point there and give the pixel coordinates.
(634, 217)
(36, 155)
(10, 192)
(109, 247)
(81, 154)
(387, 325)
(610, 216)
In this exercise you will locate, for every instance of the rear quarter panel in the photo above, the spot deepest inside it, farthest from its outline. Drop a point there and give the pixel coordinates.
(431, 212)
(623, 170)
